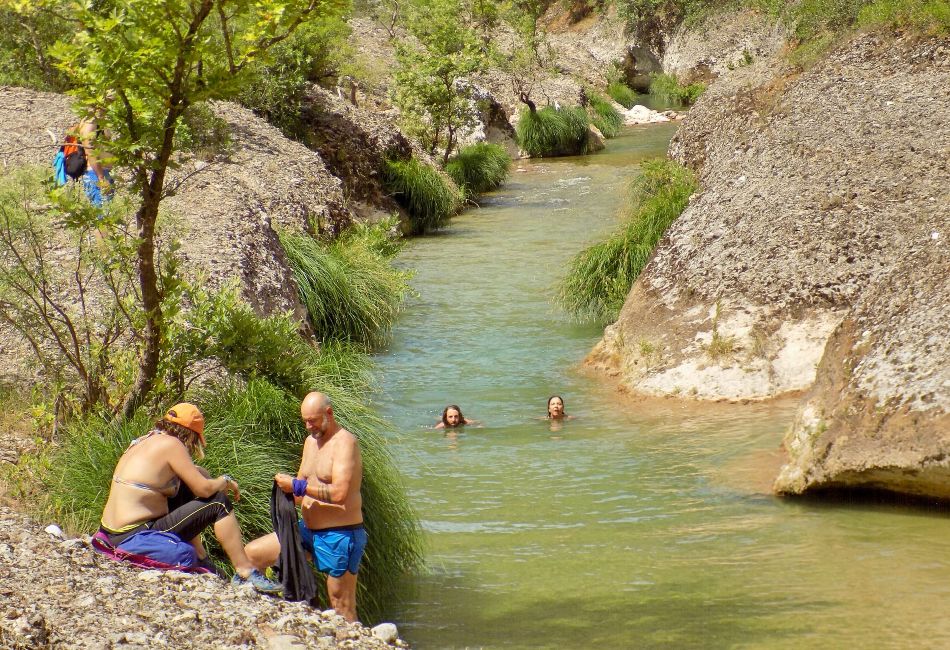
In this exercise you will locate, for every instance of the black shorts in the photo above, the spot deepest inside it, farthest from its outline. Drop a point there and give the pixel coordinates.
(187, 516)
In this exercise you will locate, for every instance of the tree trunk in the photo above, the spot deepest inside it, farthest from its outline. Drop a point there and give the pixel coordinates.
(145, 220)
(524, 99)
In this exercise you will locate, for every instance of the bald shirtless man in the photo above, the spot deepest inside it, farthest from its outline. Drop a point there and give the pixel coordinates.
(327, 488)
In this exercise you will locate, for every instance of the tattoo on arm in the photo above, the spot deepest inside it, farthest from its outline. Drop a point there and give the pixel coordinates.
(322, 493)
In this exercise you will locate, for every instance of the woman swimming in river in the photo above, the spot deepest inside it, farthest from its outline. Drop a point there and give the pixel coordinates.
(556, 409)
(452, 417)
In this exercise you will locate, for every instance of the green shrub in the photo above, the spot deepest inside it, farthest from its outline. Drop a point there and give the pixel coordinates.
(920, 15)
(553, 132)
(668, 87)
(351, 292)
(276, 87)
(203, 133)
(27, 32)
(427, 195)
(600, 276)
(604, 116)
(479, 168)
(622, 94)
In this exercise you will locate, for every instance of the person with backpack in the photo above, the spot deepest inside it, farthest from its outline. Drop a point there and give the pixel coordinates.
(160, 502)
(81, 159)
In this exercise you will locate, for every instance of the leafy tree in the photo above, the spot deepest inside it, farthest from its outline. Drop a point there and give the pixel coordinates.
(138, 66)
(276, 87)
(432, 89)
(532, 57)
(27, 30)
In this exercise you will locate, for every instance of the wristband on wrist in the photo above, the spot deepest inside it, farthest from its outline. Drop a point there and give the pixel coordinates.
(227, 479)
(300, 487)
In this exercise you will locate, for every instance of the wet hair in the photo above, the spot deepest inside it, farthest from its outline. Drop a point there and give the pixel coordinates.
(553, 397)
(445, 413)
(188, 437)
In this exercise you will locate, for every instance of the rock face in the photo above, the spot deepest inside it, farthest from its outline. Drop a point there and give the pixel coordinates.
(879, 413)
(61, 594)
(813, 188)
(822, 218)
(224, 211)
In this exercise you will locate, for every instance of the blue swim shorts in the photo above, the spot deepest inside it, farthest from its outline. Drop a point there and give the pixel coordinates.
(335, 550)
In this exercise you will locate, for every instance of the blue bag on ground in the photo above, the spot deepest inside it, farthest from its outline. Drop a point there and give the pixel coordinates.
(161, 547)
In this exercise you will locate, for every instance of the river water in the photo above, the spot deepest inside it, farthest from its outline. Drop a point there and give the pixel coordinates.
(637, 524)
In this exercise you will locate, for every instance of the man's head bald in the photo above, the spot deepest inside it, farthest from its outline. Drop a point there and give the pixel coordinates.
(315, 402)
(317, 414)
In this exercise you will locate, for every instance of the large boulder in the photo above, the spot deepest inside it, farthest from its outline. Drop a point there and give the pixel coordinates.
(879, 414)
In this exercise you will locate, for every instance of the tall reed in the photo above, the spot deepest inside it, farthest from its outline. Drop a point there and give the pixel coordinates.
(622, 94)
(669, 87)
(599, 277)
(604, 116)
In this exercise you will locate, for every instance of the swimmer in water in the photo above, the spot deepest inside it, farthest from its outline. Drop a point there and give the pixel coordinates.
(556, 409)
(452, 418)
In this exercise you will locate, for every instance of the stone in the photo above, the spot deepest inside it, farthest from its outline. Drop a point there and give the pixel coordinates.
(55, 531)
(386, 632)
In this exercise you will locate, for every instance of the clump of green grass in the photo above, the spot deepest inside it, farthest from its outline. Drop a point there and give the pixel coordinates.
(604, 116)
(351, 292)
(599, 277)
(479, 168)
(668, 87)
(928, 16)
(553, 132)
(719, 346)
(622, 94)
(427, 195)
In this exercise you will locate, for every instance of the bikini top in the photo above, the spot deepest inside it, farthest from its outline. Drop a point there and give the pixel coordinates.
(173, 485)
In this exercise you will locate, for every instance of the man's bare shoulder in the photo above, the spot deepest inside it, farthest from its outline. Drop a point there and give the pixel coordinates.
(345, 439)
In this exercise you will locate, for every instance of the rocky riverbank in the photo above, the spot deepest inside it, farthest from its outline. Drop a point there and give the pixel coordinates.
(59, 593)
(815, 249)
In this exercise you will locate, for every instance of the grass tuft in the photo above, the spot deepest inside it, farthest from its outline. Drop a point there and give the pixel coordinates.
(622, 94)
(668, 87)
(427, 195)
(350, 290)
(552, 132)
(927, 16)
(604, 116)
(479, 168)
(600, 276)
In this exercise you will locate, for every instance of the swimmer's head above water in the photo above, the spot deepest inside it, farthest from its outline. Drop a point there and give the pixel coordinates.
(452, 416)
(556, 407)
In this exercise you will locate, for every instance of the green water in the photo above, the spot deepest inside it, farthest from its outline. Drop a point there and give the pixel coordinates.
(636, 525)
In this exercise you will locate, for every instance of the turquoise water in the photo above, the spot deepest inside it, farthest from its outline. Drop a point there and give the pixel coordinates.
(637, 524)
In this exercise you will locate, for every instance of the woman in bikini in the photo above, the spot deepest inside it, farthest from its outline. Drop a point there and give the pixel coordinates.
(157, 486)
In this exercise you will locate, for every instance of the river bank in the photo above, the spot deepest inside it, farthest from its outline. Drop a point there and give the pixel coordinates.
(59, 593)
(822, 193)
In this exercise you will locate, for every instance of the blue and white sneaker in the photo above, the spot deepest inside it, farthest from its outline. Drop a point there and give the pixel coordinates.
(260, 583)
